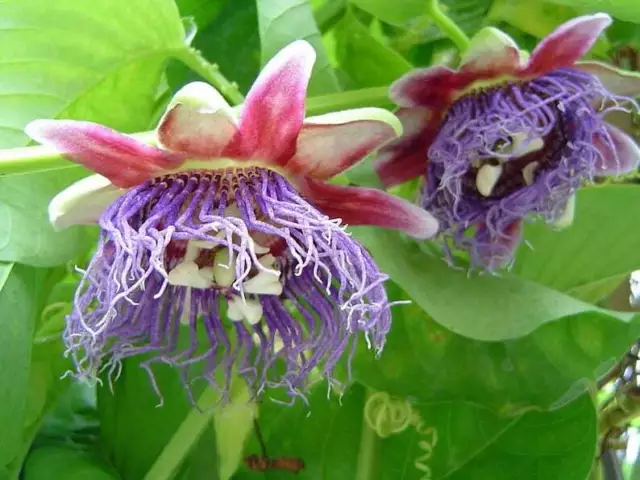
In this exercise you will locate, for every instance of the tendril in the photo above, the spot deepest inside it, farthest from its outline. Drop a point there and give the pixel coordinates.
(388, 415)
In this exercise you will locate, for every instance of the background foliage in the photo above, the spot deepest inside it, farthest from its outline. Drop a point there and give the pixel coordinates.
(503, 368)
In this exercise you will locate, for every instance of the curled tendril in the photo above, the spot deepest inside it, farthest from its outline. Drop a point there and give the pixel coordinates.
(387, 415)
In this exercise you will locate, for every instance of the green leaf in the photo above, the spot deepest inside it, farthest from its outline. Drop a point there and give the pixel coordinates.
(623, 9)
(231, 41)
(134, 429)
(539, 18)
(68, 463)
(325, 435)
(466, 304)
(473, 443)
(101, 64)
(399, 12)
(366, 61)
(333, 440)
(545, 369)
(283, 21)
(601, 243)
(19, 300)
(202, 11)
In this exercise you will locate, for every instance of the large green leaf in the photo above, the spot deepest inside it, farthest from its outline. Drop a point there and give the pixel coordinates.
(202, 11)
(19, 298)
(333, 440)
(134, 429)
(366, 61)
(283, 21)
(473, 443)
(601, 243)
(545, 369)
(68, 463)
(399, 12)
(65, 60)
(482, 307)
(623, 9)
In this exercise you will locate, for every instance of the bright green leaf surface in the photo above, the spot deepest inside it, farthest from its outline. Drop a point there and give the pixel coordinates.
(601, 243)
(399, 12)
(18, 304)
(472, 442)
(68, 463)
(101, 64)
(366, 61)
(547, 368)
(283, 21)
(623, 9)
(134, 429)
(481, 307)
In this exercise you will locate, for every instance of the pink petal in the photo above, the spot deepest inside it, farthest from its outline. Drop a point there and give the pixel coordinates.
(368, 206)
(406, 158)
(567, 44)
(122, 159)
(329, 144)
(623, 158)
(492, 53)
(274, 109)
(195, 133)
(620, 82)
(432, 87)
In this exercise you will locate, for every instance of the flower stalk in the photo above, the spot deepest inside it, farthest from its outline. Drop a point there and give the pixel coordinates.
(447, 25)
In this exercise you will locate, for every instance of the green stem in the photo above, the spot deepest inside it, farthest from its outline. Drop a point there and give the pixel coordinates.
(367, 97)
(185, 438)
(448, 26)
(366, 465)
(193, 59)
(15, 161)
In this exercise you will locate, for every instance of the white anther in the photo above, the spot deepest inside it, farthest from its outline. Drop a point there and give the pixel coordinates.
(267, 261)
(522, 144)
(224, 271)
(487, 177)
(203, 244)
(187, 274)
(529, 171)
(263, 283)
(566, 219)
(249, 310)
(207, 273)
(192, 252)
(259, 249)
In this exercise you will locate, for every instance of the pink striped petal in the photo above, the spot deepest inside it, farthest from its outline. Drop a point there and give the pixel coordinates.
(122, 159)
(274, 109)
(432, 87)
(623, 158)
(329, 144)
(620, 82)
(406, 158)
(195, 133)
(493, 53)
(368, 206)
(567, 44)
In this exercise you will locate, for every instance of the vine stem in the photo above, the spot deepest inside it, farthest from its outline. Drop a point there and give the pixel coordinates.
(185, 438)
(15, 161)
(367, 452)
(448, 26)
(193, 59)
